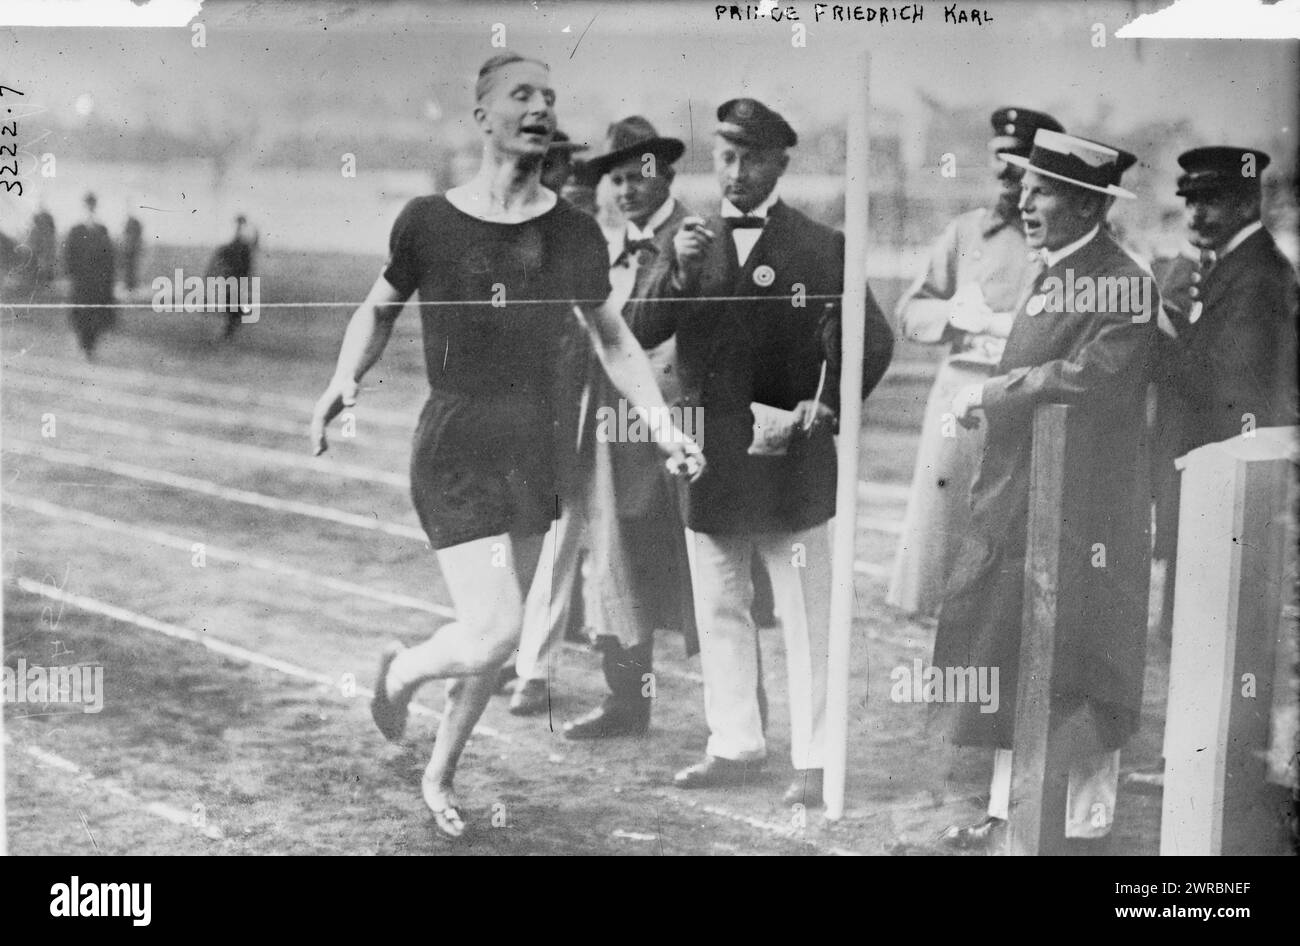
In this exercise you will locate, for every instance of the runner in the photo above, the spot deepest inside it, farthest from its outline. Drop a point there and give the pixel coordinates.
(484, 465)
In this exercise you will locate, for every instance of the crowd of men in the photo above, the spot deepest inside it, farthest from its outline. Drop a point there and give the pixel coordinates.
(711, 303)
(97, 266)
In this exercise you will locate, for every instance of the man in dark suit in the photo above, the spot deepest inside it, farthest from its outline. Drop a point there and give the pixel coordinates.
(88, 257)
(1228, 351)
(1073, 341)
(235, 260)
(746, 293)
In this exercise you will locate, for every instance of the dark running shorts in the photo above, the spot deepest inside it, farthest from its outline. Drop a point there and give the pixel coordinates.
(473, 474)
(457, 506)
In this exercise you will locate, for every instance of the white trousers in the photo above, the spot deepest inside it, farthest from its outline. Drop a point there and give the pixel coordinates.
(1091, 789)
(546, 609)
(799, 564)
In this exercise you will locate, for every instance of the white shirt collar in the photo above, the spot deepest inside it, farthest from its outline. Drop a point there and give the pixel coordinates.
(656, 221)
(729, 209)
(1244, 234)
(1052, 257)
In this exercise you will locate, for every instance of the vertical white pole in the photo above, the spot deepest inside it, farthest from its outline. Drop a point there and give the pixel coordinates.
(846, 500)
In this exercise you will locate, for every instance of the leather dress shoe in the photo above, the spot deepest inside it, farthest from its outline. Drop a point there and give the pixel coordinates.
(714, 772)
(611, 718)
(530, 698)
(967, 837)
(806, 789)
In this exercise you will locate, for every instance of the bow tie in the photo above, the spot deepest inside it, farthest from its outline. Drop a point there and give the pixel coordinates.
(747, 222)
(636, 248)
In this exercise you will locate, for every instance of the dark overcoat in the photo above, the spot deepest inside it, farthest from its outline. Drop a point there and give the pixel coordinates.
(1237, 359)
(1100, 363)
(742, 338)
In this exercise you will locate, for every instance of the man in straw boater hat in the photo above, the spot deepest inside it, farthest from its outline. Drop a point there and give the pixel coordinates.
(1071, 342)
(1228, 353)
(762, 361)
(638, 580)
(965, 299)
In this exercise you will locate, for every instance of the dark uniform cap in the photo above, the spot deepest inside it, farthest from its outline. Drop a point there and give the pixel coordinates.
(1219, 168)
(1018, 126)
(750, 122)
(631, 138)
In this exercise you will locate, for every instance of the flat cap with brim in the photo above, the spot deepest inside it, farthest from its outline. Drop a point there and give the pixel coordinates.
(1014, 129)
(750, 122)
(1078, 161)
(631, 139)
(1220, 168)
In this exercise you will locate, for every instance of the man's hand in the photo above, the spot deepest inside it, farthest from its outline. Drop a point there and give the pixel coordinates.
(966, 401)
(341, 393)
(810, 415)
(970, 313)
(684, 458)
(691, 243)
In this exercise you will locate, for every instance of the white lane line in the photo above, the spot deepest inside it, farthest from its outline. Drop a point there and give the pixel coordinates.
(207, 488)
(216, 490)
(769, 827)
(217, 553)
(225, 393)
(158, 809)
(182, 410)
(273, 663)
(216, 645)
(869, 491)
(227, 449)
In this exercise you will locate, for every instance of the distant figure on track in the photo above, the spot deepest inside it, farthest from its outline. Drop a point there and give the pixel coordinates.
(132, 241)
(88, 257)
(44, 241)
(235, 259)
(483, 470)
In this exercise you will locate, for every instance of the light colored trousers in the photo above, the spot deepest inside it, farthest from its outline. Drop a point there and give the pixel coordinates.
(799, 564)
(550, 596)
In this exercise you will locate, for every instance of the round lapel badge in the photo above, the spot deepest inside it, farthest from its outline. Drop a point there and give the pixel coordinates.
(1035, 305)
(764, 276)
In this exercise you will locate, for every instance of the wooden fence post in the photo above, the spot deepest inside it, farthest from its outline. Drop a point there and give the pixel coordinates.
(1232, 555)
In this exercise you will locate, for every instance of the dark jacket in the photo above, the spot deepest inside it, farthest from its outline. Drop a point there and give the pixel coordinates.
(1099, 362)
(761, 347)
(1239, 357)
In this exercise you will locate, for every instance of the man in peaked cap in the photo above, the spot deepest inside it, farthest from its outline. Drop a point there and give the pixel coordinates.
(1227, 355)
(88, 257)
(730, 288)
(965, 299)
(1094, 357)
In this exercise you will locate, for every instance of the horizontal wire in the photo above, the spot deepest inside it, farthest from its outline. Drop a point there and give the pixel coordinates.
(172, 310)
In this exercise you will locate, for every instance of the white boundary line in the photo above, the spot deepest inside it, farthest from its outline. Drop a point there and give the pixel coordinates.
(228, 449)
(110, 787)
(870, 491)
(226, 393)
(272, 663)
(209, 488)
(217, 553)
(157, 404)
(216, 645)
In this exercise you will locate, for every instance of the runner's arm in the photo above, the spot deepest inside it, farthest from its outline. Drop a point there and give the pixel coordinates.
(367, 334)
